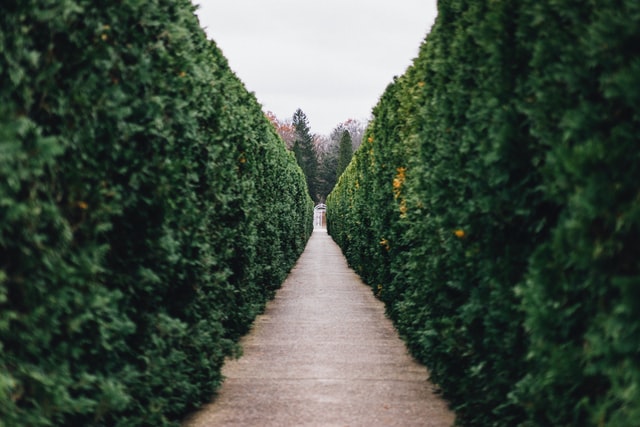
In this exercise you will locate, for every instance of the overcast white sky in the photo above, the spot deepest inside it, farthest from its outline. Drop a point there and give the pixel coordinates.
(332, 58)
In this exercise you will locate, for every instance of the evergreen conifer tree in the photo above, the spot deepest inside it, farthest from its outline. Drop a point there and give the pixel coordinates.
(305, 152)
(327, 168)
(345, 152)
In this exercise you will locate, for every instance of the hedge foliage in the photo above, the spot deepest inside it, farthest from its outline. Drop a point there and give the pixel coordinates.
(495, 209)
(148, 210)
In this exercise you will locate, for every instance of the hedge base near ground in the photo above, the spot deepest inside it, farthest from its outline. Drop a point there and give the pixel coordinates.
(494, 208)
(148, 210)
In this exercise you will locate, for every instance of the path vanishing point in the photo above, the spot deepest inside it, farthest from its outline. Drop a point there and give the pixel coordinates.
(324, 354)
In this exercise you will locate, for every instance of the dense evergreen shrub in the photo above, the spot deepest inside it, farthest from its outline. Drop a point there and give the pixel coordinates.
(494, 210)
(147, 212)
(581, 296)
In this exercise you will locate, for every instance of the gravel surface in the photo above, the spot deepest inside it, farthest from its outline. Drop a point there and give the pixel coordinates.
(324, 354)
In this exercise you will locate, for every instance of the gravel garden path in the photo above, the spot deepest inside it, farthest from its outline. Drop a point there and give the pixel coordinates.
(324, 354)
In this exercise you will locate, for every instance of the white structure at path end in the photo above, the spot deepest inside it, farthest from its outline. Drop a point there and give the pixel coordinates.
(320, 216)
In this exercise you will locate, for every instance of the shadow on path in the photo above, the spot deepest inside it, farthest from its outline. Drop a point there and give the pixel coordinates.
(324, 354)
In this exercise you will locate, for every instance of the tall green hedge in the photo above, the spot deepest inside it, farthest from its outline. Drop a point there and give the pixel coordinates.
(495, 209)
(148, 210)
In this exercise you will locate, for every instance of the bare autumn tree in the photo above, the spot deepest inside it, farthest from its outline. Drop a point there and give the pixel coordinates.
(322, 143)
(284, 128)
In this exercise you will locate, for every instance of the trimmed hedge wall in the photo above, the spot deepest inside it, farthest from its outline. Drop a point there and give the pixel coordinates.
(148, 210)
(494, 207)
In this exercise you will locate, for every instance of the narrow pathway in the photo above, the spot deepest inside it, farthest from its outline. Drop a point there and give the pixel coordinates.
(324, 354)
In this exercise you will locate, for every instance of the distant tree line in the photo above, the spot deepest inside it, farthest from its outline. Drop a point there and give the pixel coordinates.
(322, 158)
